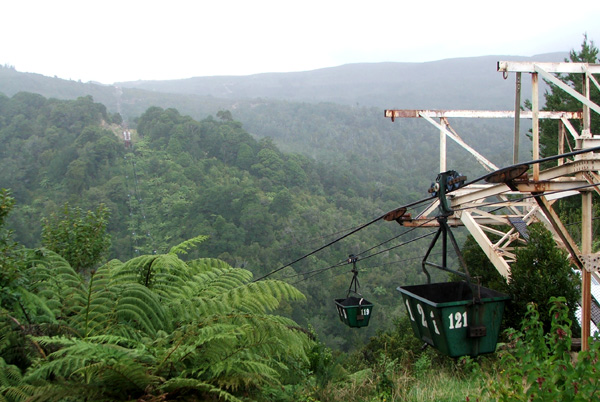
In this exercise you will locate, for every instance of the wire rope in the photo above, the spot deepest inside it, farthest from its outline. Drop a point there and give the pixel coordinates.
(412, 205)
(363, 226)
(344, 262)
(141, 227)
(395, 237)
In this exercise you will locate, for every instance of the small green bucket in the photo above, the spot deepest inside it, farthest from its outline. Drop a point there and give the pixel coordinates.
(354, 312)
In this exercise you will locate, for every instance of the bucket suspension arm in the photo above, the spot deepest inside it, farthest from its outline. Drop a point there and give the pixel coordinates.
(446, 233)
(354, 282)
(445, 182)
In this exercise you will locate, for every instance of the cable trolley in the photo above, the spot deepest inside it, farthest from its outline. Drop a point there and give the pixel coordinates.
(457, 318)
(354, 311)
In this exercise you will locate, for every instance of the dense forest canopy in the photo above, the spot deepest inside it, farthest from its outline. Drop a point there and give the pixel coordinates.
(261, 208)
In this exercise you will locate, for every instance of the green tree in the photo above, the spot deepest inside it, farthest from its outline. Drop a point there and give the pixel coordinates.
(540, 272)
(225, 115)
(79, 237)
(559, 100)
(481, 267)
(116, 118)
(282, 203)
(9, 275)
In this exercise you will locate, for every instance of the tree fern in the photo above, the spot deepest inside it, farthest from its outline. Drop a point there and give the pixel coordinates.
(181, 385)
(206, 264)
(183, 247)
(106, 366)
(165, 274)
(155, 327)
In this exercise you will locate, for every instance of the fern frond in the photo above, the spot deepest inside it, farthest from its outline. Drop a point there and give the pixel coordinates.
(9, 375)
(85, 362)
(165, 274)
(206, 264)
(219, 280)
(22, 392)
(260, 297)
(191, 383)
(182, 248)
(94, 305)
(53, 391)
(135, 270)
(198, 347)
(141, 308)
(194, 309)
(35, 308)
(243, 372)
(51, 278)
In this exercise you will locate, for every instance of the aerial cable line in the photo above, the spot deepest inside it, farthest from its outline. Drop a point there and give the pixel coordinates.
(135, 246)
(369, 267)
(400, 245)
(316, 238)
(396, 262)
(388, 214)
(395, 237)
(396, 212)
(319, 271)
(362, 252)
(143, 224)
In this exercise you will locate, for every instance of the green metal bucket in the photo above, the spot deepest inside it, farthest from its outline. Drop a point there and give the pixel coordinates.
(445, 316)
(354, 312)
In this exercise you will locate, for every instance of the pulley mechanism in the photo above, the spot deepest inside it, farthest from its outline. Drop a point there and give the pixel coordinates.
(444, 183)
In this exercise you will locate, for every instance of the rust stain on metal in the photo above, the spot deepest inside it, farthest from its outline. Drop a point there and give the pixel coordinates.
(395, 214)
(508, 174)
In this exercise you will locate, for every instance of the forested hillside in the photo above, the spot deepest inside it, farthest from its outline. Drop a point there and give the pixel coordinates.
(260, 207)
(301, 108)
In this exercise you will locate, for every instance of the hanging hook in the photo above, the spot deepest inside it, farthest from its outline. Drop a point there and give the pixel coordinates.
(352, 259)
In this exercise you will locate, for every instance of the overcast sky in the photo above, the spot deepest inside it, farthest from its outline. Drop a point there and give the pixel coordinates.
(125, 40)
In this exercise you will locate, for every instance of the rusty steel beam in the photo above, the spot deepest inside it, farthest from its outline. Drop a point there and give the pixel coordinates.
(558, 226)
(481, 114)
(581, 98)
(529, 67)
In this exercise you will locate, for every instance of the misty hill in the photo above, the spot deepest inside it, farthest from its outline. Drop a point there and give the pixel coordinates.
(332, 114)
(462, 83)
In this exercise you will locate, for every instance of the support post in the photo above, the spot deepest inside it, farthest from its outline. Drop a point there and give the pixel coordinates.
(586, 109)
(535, 124)
(586, 276)
(561, 141)
(517, 118)
(444, 125)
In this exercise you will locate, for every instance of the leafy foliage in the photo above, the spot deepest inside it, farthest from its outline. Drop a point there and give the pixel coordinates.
(153, 327)
(540, 272)
(259, 207)
(557, 99)
(539, 366)
(79, 237)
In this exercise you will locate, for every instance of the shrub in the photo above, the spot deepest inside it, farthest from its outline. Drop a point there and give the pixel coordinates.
(538, 366)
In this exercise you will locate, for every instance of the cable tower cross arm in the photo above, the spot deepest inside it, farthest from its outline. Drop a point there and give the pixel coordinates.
(504, 206)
